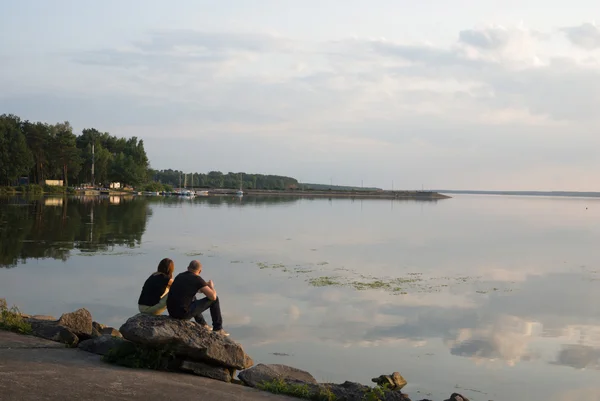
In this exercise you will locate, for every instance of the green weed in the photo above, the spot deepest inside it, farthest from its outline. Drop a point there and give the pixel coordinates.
(279, 386)
(11, 319)
(323, 281)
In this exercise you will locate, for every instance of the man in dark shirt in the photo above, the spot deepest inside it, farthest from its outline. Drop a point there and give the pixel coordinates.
(182, 303)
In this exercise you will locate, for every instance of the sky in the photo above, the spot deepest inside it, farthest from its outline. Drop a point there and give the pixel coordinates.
(468, 94)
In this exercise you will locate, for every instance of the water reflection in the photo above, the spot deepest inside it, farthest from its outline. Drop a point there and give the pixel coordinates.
(54, 227)
(499, 295)
(224, 201)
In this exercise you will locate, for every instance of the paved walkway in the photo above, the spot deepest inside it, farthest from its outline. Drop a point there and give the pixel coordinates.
(35, 369)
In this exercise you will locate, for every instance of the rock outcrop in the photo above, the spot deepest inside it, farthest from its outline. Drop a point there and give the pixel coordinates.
(101, 345)
(187, 340)
(206, 370)
(265, 373)
(50, 330)
(79, 322)
(164, 343)
(69, 329)
(261, 375)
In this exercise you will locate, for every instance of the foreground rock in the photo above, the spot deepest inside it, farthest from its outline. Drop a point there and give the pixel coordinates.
(101, 345)
(51, 330)
(31, 373)
(79, 322)
(261, 376)
(187, 340)
(265, 373)
(206, 370)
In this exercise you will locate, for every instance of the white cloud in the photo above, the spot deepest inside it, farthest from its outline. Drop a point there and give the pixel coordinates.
(586, 36)
(393, 103)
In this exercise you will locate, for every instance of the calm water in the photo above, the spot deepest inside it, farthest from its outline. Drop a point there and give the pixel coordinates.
(494, 297)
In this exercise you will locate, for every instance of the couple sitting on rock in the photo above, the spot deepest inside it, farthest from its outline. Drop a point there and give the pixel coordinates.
(178, 296)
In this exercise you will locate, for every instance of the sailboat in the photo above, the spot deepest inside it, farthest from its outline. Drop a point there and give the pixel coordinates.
(186, 192)
(240, 192)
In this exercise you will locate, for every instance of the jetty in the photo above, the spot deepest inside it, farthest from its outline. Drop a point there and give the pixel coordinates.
(418, 195)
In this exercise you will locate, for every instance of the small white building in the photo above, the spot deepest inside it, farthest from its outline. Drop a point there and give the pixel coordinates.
(54, 183)
(115, 185)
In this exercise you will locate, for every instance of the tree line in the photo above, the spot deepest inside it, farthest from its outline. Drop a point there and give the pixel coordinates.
(42, 151)
(216, 179)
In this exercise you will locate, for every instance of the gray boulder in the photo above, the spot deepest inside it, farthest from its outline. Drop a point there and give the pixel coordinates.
(206, 370)
(186, 339)
(52, 331)
(264, 373)
(79, 322)
(101, 345)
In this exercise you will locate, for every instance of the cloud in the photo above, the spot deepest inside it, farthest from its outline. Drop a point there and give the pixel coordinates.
(168, 48)
(586, 36)
(489, 39)
(490, 103)
(579, 357)
(507, 338)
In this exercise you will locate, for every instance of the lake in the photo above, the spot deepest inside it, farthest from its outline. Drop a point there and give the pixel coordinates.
(494, 297)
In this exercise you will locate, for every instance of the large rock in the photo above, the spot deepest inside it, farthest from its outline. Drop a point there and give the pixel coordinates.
(101, 345)
(187, 339)
(79, 322)
(264, 373)
(206, 370)
(52, 331)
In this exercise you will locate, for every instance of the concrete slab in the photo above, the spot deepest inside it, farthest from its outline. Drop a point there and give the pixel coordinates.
(29, 372)
(14, 340)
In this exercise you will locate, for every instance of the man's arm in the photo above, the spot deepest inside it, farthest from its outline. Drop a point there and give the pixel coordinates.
(209, 291)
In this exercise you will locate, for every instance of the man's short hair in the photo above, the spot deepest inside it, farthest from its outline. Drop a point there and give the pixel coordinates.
(194, 266)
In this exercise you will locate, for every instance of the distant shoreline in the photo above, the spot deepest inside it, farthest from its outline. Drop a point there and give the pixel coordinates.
(420, 195)
(566, 194)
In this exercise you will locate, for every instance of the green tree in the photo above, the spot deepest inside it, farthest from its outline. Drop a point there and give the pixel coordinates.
(65, 152)
(38, 139)
(15, 157)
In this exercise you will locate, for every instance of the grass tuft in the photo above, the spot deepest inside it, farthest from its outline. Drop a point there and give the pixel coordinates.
(279, 386)
(11, 319)
(377, 393)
